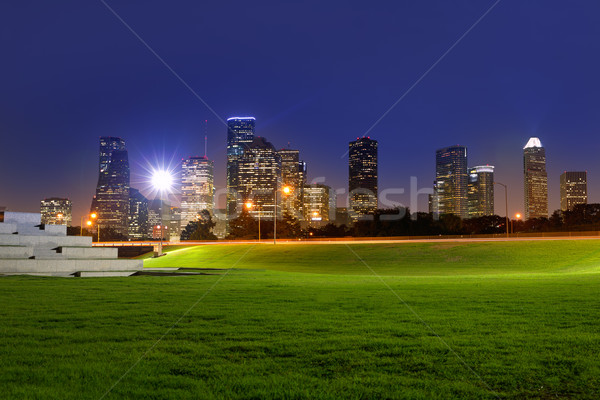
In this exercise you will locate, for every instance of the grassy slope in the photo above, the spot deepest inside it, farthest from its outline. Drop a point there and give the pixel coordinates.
(406, 259)
(272, 334)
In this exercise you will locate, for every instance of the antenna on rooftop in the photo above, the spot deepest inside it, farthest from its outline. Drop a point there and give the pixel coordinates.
(205, 136)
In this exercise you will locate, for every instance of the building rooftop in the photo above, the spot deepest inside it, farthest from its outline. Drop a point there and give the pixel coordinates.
(533, 142)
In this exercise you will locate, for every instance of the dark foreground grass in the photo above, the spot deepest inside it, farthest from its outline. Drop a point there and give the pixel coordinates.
(273, 334)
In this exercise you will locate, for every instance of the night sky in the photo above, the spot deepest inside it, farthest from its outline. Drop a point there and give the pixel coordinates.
(315, 74)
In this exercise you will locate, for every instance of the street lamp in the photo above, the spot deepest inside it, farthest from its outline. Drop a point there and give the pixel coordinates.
(517, 217)
(505, 202)
(249, 206)
(94, 216)
(162, 180)
(286, 190)
(160, 232)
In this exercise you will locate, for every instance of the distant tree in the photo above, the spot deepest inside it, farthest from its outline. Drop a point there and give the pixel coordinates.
(450, 224)
(329, 230)
(108, 234)
(289, 227)
(244, 226)
(76, 230)
(488, 224)
(200, 228)
(204, 227)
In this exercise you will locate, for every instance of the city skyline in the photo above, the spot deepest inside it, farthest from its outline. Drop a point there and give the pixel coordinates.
(512, 86)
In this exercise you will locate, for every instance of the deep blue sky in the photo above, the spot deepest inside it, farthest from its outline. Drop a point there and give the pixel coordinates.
(316, 74)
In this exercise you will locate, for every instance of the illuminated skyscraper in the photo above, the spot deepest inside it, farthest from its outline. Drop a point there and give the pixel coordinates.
(573, 189)
(451, 180)
(111, 202)
(536, 179)
(259, 178)
(318, 204)
(480, 196)
(240, 133)
(362, 177)
(56, 211)
(197, 188)
(138, 215)
(293, 176)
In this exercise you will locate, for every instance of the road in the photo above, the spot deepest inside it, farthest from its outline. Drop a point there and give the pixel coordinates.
(464, 239)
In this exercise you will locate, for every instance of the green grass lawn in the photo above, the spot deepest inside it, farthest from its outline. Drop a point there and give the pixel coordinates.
(312, 321)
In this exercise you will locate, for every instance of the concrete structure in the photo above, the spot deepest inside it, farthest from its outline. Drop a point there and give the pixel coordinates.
(26, 248)
(573, 189)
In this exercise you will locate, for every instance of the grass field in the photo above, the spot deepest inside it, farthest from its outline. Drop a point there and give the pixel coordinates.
(420, 321)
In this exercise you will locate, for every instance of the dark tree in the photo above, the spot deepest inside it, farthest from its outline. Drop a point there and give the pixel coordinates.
(204, 227)
(244, 227)
(289, 227)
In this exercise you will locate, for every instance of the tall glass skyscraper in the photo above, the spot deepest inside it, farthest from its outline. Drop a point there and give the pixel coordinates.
(480, 193)
(451, 180)
(362, 177)
(536, 179)
(197, 188)
(318, 204)
(259, 178)
(293, 176)
(240, 133)
(138, 215)
(111, 202)
(573, 189)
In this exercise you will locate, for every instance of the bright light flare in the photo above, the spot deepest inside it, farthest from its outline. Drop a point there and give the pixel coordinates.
(287, 189)
(162, 180)
(249, 205)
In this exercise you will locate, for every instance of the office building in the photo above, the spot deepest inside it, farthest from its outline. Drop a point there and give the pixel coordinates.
(362, 177)
(293, 175)
(56, 211)
(480, 191)
(536, 179)
(240, 133)
(197, 188)
(159, 219)
(138, 215)
(318, 204)
(573, 189)
(111, 201)
(259, 179)
(451, 180)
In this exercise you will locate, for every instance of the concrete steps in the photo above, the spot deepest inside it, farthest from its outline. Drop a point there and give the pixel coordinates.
(34, 266)
(8, 228)
(15, 252)
(27, 249)
(88, 252)
(48, 242)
